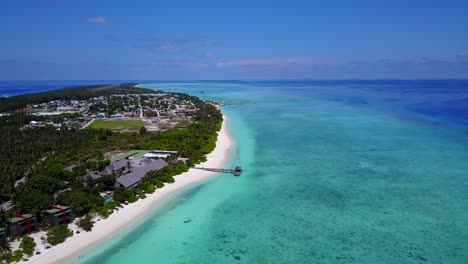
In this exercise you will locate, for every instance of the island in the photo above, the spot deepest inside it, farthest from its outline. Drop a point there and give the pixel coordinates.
(74, 158)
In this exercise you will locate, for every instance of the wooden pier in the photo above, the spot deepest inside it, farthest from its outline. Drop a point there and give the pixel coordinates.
(236, 171)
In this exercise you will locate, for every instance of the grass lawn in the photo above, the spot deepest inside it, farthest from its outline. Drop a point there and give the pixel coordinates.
(117, 124)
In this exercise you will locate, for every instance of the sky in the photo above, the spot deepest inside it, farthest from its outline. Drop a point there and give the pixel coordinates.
(221, 40)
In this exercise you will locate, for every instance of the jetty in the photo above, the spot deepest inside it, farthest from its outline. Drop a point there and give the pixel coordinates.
(236, 171)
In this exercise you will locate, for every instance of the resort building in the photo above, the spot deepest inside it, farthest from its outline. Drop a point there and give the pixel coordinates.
(130, 180)
(91, 176)
(59, 215)
(23, 224)
(117, 167)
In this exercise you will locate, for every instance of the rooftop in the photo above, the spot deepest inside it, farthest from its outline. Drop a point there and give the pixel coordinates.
(92, 175)
(138, 173)
(117, 165)
(70, 168)
(124, 155)
(19, 219)
(6, 206)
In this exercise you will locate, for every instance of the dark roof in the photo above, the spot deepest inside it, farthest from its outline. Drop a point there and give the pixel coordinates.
(92, 175)
(134, 177)
(155, 165)
(114, 166)
(6, 206)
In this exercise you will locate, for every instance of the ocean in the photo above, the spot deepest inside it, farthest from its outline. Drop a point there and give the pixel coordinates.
(359, 171)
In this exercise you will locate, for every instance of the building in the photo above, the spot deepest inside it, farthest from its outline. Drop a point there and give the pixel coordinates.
(3, 234)
(6, 206)
(59, 215)
(130, 180)
(35, 124)
(160, 154)
(91, 176)
(117, 167)
(23, 224)
(70, 168)
(65, 108)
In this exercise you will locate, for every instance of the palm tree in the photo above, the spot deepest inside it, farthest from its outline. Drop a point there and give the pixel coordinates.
(4, 247)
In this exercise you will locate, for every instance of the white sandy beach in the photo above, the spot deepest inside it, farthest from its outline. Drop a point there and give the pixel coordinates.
(117, 222)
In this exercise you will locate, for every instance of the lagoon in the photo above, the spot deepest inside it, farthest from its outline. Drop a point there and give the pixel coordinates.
(334, 172)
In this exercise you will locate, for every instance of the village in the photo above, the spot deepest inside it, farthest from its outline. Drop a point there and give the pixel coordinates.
(120, 112)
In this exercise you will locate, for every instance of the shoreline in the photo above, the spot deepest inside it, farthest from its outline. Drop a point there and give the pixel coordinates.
(119, 221)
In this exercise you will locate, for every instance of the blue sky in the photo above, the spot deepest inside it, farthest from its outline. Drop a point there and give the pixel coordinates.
(172, 40)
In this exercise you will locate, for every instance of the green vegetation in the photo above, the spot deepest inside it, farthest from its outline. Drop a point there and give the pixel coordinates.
(74, 93)
(27, 245)
(5, 251)
(86, 223)
(6, 256)
(117, 124)
(58, 234)
(32, 162)
(80, 200)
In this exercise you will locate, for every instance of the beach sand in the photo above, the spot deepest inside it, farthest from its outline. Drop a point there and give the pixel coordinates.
(117, 222)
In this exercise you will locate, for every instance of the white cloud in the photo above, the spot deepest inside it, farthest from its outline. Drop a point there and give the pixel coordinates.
(97, 20)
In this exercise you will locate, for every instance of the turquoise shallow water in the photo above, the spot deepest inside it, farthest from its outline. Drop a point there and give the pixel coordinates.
(335, 172)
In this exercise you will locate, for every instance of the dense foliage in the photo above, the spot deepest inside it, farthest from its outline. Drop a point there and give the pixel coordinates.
(5, 250)
(58, 234)
(27, 245)
(7, 256)
(74, 93)
(86, 223)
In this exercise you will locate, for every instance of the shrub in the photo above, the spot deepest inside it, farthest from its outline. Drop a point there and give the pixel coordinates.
(105, 209)
(28, 245)
(132, 199)
(86, 223)
(159, 184)
(58, 234)
(16, 256)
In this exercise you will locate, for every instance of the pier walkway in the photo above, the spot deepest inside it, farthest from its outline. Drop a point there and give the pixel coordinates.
(237, 171)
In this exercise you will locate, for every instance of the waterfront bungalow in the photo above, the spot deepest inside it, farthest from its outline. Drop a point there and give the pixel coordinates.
(23, 224)
(130, 180)
(59, 215)
(117, 167)
(3, 234)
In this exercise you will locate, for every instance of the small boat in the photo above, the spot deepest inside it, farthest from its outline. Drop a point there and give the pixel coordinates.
(187, 220)
(237, 171)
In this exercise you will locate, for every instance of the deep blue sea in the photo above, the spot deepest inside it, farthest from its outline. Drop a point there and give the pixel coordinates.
(361, 171)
